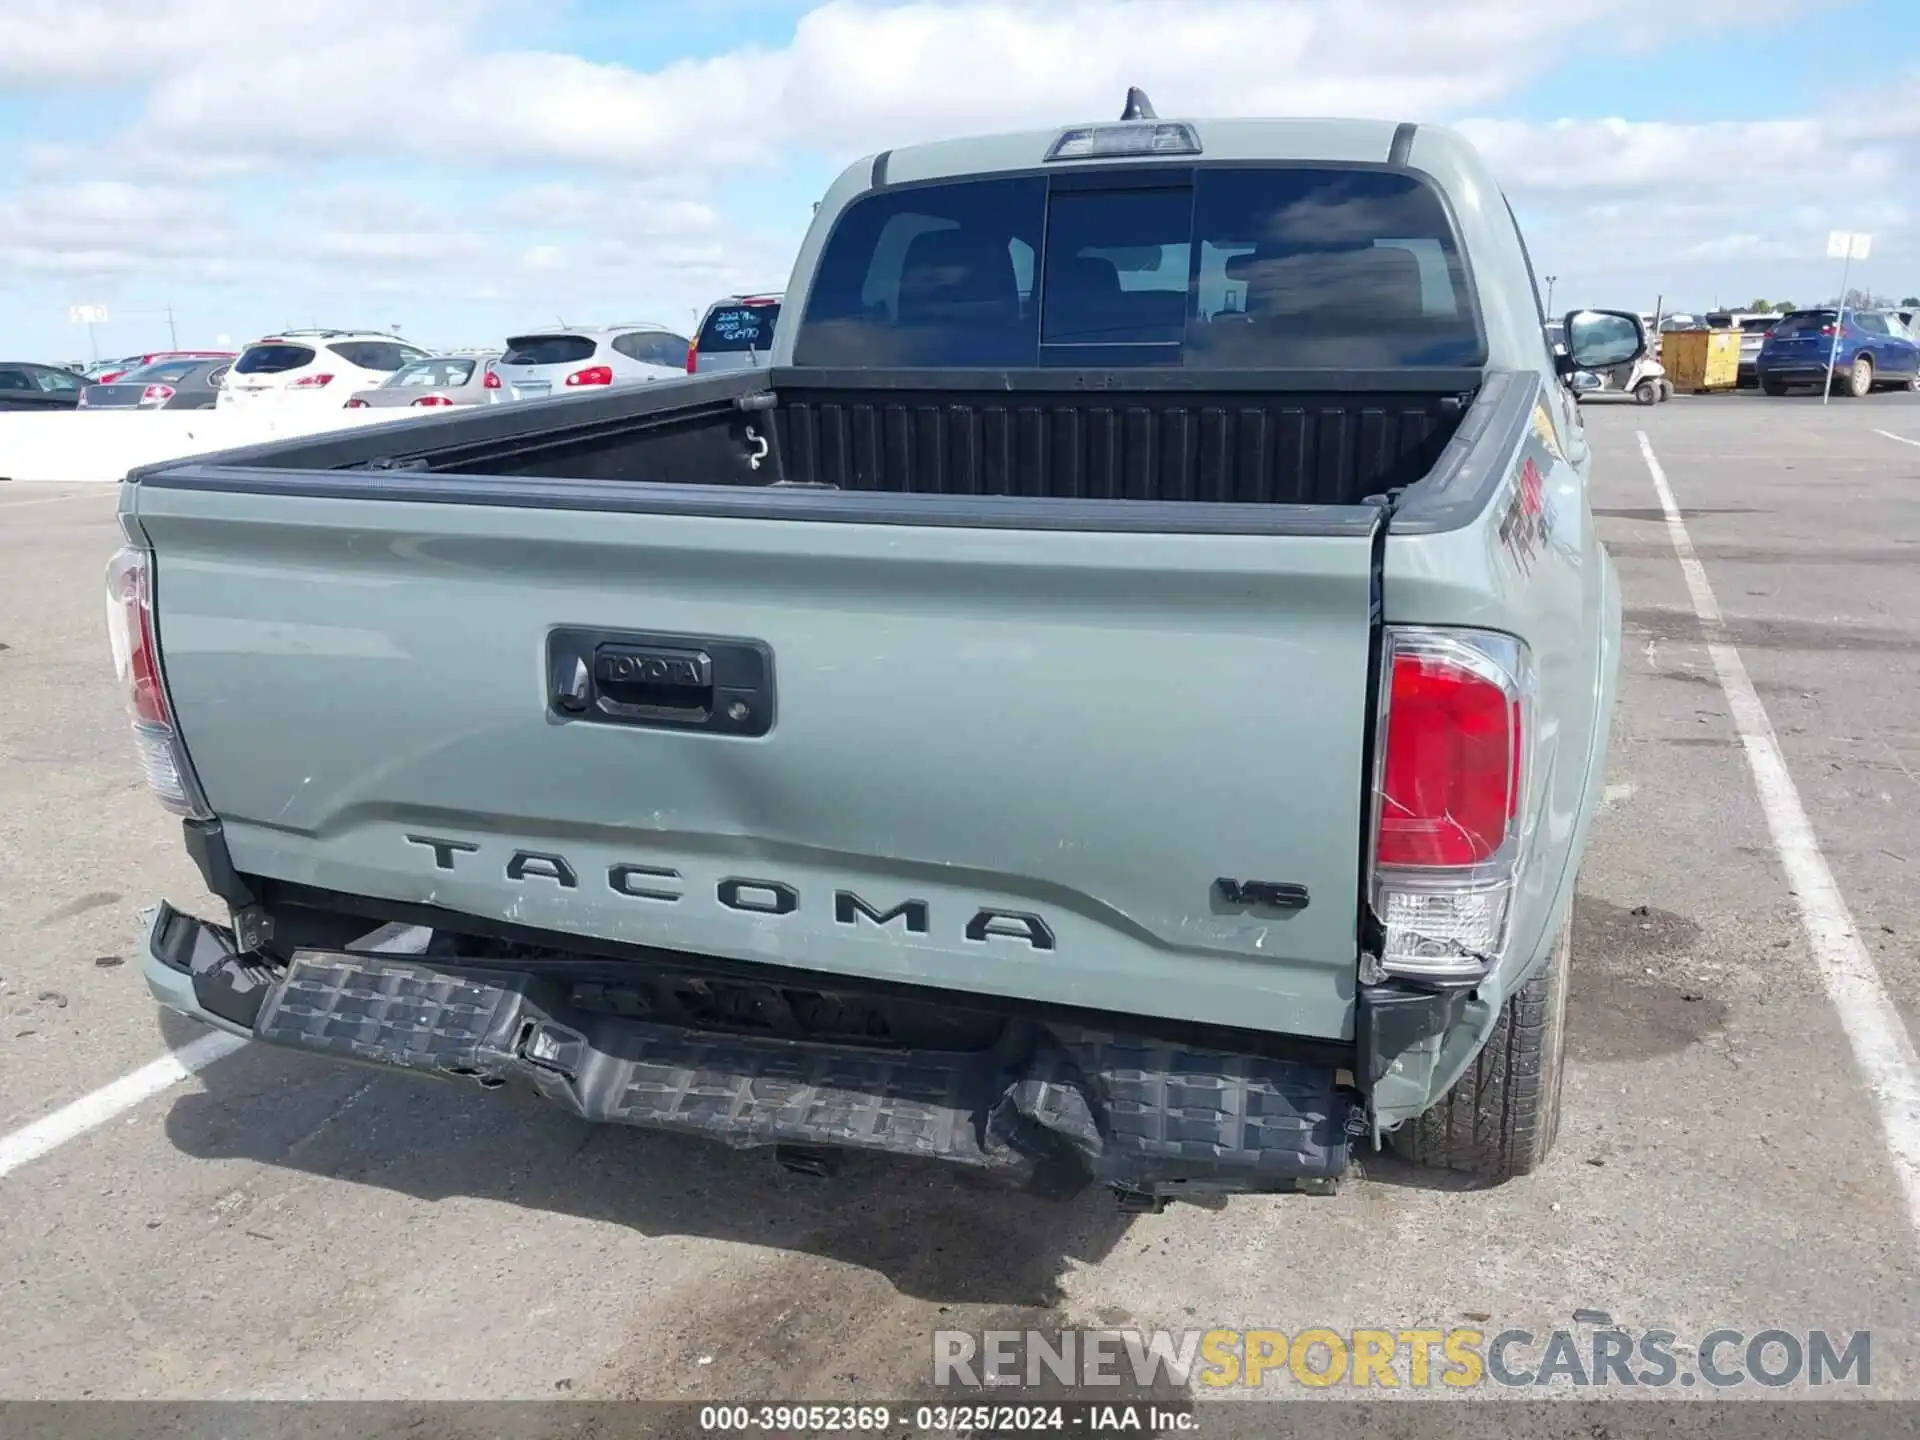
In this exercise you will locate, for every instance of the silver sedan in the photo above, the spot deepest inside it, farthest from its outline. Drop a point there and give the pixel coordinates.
(443, 380)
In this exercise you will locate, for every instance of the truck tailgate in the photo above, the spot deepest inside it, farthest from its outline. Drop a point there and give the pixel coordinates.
(1003, 761)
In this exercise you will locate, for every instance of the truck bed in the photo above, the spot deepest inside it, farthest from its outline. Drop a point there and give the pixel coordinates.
(1150, 436)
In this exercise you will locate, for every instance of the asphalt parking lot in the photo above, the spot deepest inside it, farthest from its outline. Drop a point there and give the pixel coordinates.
(277, 1227)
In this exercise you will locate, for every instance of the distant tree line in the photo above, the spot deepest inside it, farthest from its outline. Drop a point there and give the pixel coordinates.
(1856, 300)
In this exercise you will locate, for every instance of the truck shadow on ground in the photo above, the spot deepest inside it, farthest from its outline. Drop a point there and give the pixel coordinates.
(848, 1277)
(935, 1231)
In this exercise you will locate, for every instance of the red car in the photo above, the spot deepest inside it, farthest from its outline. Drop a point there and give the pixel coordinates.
(135, 362)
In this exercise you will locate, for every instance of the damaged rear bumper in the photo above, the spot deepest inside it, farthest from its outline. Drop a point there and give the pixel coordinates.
(1134, 1112)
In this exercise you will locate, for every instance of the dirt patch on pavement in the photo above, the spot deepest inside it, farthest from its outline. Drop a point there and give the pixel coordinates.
(1632, 997)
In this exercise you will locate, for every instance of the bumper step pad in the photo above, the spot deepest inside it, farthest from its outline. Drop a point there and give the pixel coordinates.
(1130, 1111)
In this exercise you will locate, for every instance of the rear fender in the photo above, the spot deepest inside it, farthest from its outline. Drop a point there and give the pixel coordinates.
(1541, 574)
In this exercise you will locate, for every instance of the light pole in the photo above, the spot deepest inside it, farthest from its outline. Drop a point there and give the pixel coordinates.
(173, 334)
(1551, 280)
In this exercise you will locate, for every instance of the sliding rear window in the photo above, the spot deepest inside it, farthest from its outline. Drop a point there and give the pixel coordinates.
(1221, 269)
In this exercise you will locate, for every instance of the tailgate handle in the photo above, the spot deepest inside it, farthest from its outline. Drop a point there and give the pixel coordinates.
(676, 682)
(657, 683)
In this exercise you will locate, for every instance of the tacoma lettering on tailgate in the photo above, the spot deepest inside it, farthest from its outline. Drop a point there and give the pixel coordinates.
(748, 894)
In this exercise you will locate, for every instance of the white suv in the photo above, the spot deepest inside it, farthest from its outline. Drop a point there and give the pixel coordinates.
(566, 359)
(318, 367)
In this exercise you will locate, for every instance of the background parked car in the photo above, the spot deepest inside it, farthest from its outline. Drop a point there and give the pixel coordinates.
(164, 385)
(440, 381)
(25, 385)
(735, 334)
(543, 362)
(110, 367)
(314, 367)
(109, 371)
(1875, 349)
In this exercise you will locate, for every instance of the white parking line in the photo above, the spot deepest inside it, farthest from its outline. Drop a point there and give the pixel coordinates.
(1901, 438)
(90, 1112)
(1882, 1049)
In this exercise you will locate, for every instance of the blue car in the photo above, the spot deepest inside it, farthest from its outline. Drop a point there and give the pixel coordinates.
(1876, 350)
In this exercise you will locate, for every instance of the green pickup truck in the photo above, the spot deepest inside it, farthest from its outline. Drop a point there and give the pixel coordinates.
(1118, 699)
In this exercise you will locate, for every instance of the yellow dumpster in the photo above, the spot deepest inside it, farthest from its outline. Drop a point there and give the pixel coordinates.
(1701, 360)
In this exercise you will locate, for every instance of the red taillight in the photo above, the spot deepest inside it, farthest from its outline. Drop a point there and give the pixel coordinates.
(693, 354)
(1826, 329)
(1450, 776)
(109, 377)
(136, 657)
(156, 394)
(311, 382)
(1449, 802)
(432, 400)
(357, 404)
(130, 626)
(592, 375)
(492, 382)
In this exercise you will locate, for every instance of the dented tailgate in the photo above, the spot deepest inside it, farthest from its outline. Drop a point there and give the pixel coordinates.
(1015, 762)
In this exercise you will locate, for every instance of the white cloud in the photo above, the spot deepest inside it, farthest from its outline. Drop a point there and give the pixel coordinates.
(550, 180)
(1714, 209)
(233, 84)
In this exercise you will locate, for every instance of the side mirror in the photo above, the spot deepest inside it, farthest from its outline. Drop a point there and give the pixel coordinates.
(1584, 381)
(1599, 339)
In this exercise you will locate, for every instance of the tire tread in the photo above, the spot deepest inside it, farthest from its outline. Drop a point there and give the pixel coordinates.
(1502, 1115)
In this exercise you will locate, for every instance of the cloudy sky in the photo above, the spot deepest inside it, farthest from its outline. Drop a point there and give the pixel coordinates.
(463, 168)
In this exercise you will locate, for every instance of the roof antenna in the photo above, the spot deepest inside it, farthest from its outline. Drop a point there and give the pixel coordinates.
(1138, 106)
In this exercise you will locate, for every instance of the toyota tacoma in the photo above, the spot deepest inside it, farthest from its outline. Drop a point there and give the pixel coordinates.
(1119, 698)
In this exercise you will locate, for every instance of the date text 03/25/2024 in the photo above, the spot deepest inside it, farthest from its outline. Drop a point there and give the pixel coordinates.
(1081, 1418)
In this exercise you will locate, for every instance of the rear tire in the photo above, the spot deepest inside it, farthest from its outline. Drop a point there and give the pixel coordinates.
(1860, 378)
(1503, 1115)
(1773, 387)
(1646, 392)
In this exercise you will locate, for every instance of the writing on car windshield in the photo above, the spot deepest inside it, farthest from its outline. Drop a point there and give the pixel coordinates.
(739, 327)
(1230, 268)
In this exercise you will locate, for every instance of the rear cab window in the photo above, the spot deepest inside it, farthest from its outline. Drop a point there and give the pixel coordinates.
(1228, 268)
(547, 350)
(735, 329)
(272, 359)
